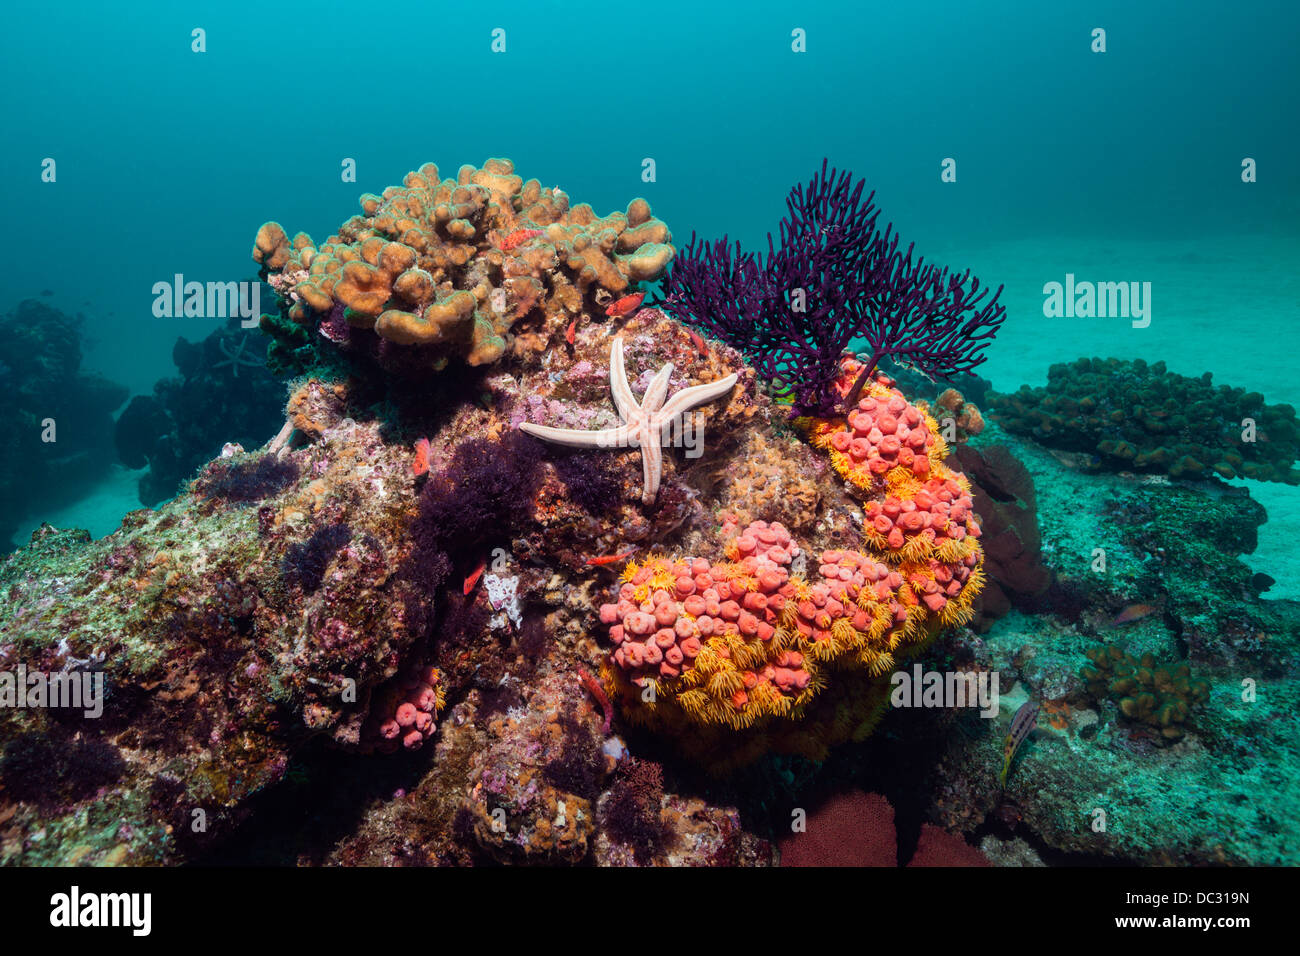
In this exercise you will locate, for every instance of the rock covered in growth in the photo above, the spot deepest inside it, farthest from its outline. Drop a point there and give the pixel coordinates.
(533, 785)
(1141, 417)
(226, 640)
(1006, 503)
(460, 264)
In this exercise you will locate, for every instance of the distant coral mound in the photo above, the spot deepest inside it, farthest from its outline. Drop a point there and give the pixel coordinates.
(1139, 416)
(55, 419)
(224, 393)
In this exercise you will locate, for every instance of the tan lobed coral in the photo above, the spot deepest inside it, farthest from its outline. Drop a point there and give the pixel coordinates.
(466, 263)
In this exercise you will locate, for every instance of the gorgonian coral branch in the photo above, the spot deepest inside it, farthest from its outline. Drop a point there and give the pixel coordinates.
(833, 280)
(722, 292)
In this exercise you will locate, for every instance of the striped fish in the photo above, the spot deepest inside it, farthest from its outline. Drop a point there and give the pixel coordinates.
(1022, 725)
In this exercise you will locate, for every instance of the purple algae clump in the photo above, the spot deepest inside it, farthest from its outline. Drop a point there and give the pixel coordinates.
(248, 480)
(305, 562)
(590, 480)
(485, 492)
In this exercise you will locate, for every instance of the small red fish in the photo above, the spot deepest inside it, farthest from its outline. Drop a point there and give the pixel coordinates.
(571, 331)
(698, 342)
(624, 306)
(602, 698)
(421, 464)
(1134, 612)
(475, 575)
(518, 238)
(611, 558)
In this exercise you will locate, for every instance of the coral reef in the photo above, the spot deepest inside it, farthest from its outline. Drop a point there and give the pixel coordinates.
(1161, 695)
(1140, 416)
(216, 671)
(373, 640)
(465, 267)
(190, 417)
(293, 599)
(55, 418)
(834, 279)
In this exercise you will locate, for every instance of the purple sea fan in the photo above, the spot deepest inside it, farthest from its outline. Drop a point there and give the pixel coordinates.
(834, 280)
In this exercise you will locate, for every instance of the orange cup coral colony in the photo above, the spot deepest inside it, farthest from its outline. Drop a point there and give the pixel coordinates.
(743, 642)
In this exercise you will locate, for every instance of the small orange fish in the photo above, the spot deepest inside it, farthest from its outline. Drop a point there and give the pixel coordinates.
(475, 575)
(598, 692)
(611, 558)
(421, 464)
(571, 331)
(624, 306)
(698, 342)
(518, 238)
(1134, 612)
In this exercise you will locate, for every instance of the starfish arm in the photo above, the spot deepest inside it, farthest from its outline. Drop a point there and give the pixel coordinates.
(653, 399)
(689, 398)
(600, 438)
(652, 469)
(624, 401)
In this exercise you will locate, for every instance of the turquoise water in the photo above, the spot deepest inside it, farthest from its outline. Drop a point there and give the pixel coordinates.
(1115, 166)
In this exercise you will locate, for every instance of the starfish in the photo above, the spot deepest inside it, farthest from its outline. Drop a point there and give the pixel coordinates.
(644, 424)
(236, 357)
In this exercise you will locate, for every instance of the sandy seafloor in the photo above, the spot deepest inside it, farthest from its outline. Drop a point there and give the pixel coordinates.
(1228, 305)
